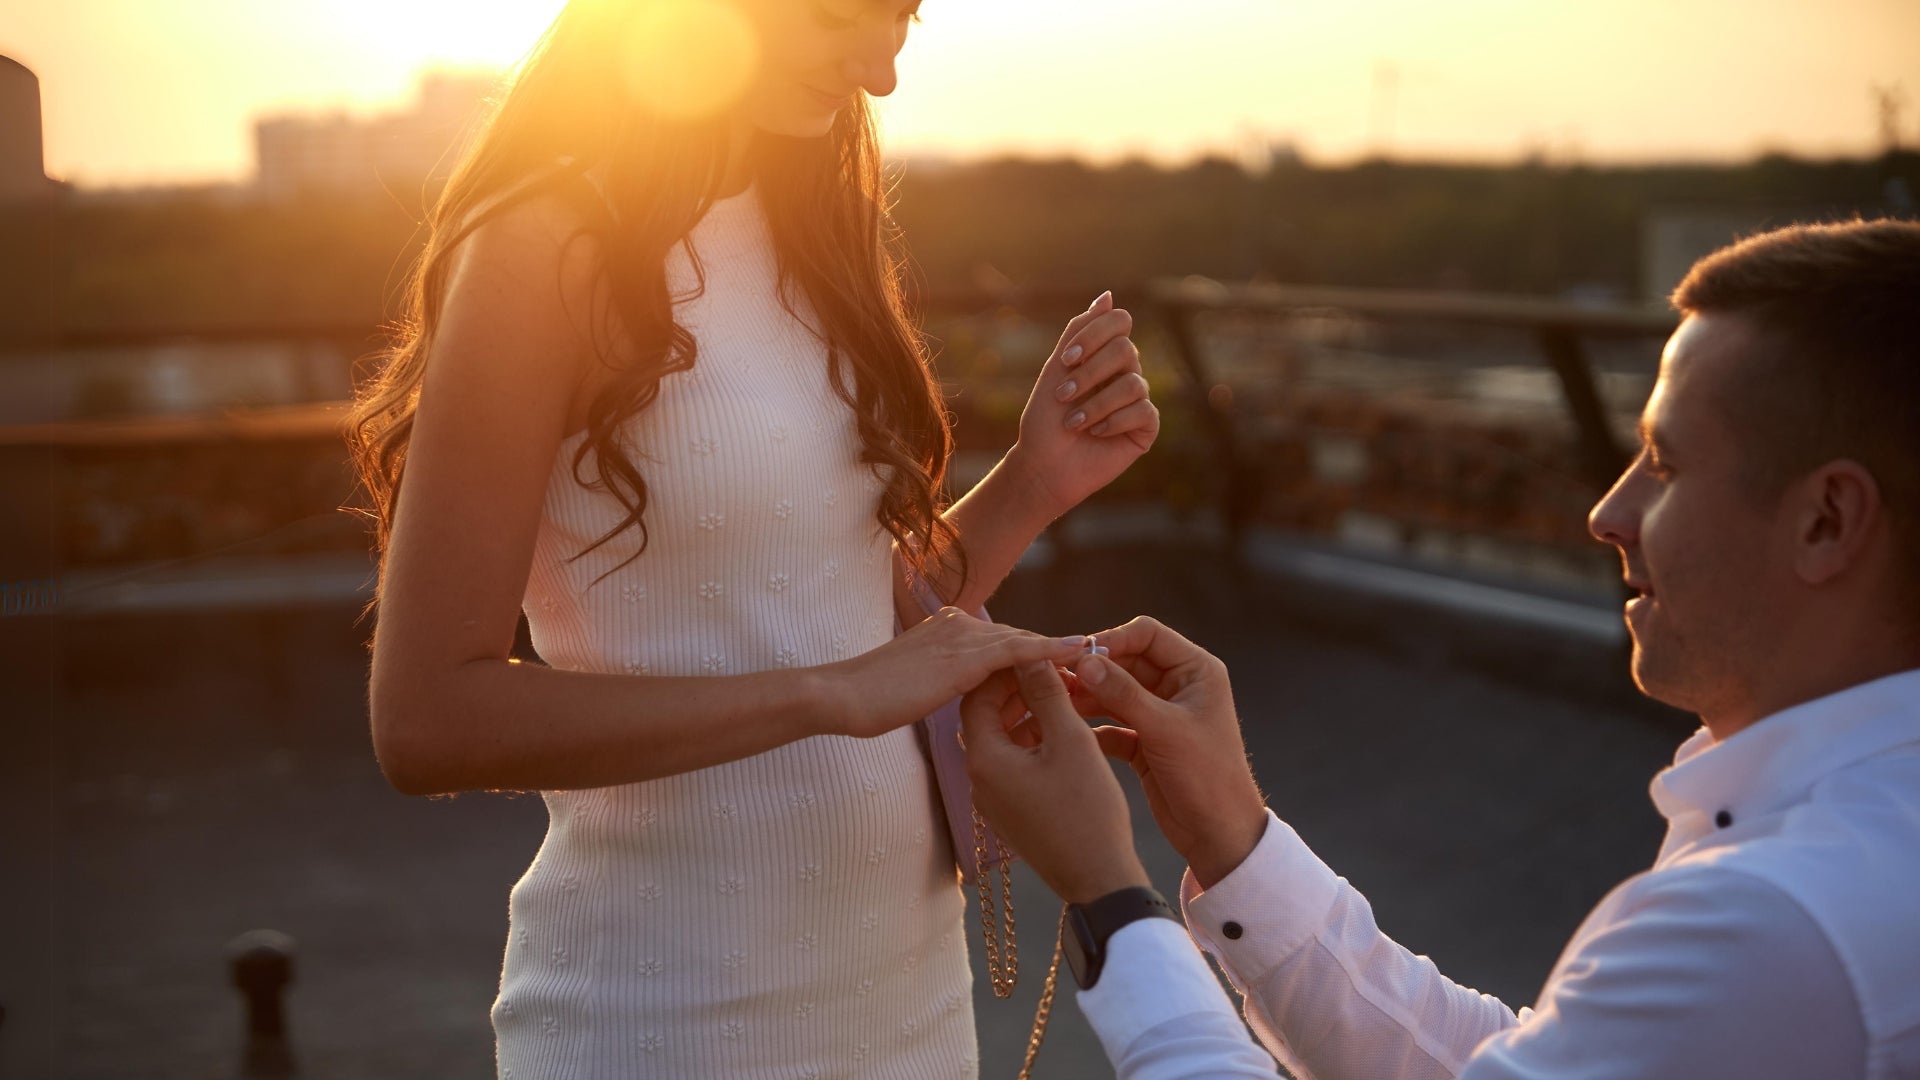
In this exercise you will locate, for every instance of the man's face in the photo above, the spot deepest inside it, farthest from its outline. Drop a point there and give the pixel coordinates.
(1702, 552)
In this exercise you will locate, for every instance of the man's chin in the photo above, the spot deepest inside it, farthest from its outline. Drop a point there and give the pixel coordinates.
(1653, 674)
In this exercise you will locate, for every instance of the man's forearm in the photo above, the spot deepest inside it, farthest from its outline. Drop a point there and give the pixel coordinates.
(1161, 1015)
(1326, 991)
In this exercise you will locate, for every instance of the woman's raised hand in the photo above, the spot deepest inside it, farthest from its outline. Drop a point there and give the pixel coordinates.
(946, 655)
(1090, 415)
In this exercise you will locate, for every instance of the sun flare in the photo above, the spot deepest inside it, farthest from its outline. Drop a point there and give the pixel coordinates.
(489, 33)
(687, 59)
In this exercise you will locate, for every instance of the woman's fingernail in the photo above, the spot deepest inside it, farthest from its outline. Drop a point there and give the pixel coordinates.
(1065, 393)
(1078, 641)
(1092, 671)
(1108, 295)
(1072, 355)
(1076, 420)
(1098, 429)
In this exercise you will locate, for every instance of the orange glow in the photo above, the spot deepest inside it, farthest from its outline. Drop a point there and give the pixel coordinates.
(690, 59)
(167, 89)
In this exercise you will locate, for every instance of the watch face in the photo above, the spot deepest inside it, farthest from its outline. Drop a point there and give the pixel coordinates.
(1078, 945)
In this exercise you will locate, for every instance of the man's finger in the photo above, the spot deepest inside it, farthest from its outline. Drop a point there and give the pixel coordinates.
(1118, 743)
(1040, 685)
(1046, 697)
(1124, 699)
(980, 725)
(1151, 640)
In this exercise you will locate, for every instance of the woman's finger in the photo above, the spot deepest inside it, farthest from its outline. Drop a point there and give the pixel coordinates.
(1007, 651)
(1094, 336)
(1142, 415)
(1100, 306)
(1115, 358)
(1113, 397)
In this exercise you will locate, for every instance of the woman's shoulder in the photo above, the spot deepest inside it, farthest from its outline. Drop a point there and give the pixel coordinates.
(549, 220)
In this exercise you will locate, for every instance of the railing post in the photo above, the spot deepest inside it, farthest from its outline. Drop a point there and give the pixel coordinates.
(262, 967)
(1600, 453)
(1241, 493)
(31, 759)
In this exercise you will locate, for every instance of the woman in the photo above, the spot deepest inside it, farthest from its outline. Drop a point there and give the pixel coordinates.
(659, 390)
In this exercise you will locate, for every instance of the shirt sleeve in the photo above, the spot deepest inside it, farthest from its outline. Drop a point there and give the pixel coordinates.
(1327, 993)
(1161, 1015)
(1707, 972)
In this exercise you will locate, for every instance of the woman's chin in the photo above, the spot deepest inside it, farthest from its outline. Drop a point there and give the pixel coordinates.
(808, 125)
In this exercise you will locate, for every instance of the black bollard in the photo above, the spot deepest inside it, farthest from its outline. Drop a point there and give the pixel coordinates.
(262, 966)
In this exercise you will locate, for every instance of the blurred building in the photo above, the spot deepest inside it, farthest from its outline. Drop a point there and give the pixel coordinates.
(23, 174)
(342, 154)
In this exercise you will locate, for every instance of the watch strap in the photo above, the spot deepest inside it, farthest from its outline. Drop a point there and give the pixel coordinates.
(1094, 924)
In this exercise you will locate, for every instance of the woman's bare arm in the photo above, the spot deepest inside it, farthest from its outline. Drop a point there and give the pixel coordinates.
(450, 711)
(1088, 419)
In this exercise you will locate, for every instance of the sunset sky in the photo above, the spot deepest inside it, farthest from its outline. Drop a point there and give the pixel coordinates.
(142, 91)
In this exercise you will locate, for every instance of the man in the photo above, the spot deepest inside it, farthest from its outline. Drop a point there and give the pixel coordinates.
(1770, 529)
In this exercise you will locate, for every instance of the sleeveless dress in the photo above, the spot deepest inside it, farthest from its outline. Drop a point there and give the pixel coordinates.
(791, 915)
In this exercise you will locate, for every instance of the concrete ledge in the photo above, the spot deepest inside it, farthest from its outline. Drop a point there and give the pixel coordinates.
(1586, 622)
(228, 583)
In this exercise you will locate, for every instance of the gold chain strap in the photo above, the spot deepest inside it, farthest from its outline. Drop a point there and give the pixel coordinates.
(1005, 974)
(1045, 1009)
(1002, 976)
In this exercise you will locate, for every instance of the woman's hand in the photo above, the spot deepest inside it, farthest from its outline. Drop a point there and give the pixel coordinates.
(1090, 415)
(943, 657)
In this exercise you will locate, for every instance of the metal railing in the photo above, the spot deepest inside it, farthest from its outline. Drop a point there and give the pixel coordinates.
(1560, 331)
(1178, 308)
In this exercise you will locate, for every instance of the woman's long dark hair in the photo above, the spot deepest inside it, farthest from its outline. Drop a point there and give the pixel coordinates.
(826, 203)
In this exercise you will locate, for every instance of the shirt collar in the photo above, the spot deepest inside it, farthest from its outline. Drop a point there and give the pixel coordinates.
(1776, 760)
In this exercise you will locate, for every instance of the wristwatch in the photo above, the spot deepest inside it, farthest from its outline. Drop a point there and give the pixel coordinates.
(1090, 925)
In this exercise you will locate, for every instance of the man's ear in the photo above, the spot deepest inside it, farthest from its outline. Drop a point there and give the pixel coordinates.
(1839, 511)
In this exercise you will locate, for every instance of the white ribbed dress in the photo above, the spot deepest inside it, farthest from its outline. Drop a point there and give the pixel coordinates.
(791, 915)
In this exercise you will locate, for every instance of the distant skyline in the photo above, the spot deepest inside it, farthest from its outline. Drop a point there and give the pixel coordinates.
(166, 91)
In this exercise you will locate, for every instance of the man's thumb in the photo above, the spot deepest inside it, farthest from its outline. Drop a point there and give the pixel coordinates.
(1113, 688)
(980, 726)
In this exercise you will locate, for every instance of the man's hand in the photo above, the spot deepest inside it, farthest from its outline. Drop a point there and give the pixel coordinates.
(1182, 736)
(1051, 795)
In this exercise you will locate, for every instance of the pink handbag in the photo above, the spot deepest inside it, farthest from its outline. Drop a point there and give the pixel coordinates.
(941, 732)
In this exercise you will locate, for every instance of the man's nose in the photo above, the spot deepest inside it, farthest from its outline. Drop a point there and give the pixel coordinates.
(1615, 519)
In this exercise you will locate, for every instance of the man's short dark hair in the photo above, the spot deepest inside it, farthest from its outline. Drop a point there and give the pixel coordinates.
(1838, 309)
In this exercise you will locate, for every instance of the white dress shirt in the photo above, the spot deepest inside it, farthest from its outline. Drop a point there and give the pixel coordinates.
(1776, 935)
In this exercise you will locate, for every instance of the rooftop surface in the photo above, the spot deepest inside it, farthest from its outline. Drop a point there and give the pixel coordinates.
(214, 775)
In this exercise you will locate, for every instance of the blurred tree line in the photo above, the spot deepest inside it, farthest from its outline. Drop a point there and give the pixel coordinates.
(199, 259)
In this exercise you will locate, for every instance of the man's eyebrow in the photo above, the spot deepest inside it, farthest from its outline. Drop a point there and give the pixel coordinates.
(1651, 436)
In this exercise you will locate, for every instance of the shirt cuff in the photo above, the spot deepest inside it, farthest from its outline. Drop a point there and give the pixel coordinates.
(1152, 974)
(1269, 906)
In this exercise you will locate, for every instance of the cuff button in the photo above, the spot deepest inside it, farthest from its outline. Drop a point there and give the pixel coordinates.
(1233, 930)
